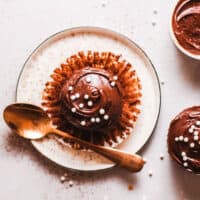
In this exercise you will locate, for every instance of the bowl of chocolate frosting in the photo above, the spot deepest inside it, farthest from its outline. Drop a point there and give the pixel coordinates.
(185, 27)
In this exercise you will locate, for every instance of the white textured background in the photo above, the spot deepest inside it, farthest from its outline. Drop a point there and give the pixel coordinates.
(24, 173)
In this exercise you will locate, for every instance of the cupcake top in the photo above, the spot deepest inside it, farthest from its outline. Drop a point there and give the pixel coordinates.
(91, 99)
(184, 139)
(94, 96)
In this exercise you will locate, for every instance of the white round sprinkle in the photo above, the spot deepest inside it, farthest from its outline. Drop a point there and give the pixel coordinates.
(198, 123)
(196, 137)
(186, 139)
(72, 97)
(183, 154)
(97, 119)
(161, 157)
(185, 164)
(176, 139)
(104, 3)
(190, 130)
(181, 138)
(112, 83)
(81, 105)
(77, 95)
(102, 111)
(106, 117)
(70, 88)
(92, 119)
(193, 126)
(71, 183)
(83, 123)
(73, 110)
(192, 145)
(196, 133)
(185, 158)
(62, 179)
(115, 78)
(66, 174)
(150, 173)
(88, 79)
(90, 103)
(86, 96)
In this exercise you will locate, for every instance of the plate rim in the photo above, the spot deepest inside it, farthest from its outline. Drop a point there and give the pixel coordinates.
(92, 29)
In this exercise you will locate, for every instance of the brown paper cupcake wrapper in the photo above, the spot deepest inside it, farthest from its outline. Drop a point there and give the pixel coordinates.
(131, 99)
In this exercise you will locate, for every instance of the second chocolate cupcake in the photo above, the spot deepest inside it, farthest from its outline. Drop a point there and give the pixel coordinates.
(184, 139)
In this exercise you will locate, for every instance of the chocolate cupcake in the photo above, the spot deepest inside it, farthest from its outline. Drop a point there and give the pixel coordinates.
(94, 96)
(184, 139)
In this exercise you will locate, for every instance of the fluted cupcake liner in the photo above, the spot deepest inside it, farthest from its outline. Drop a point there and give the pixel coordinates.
(131, 95)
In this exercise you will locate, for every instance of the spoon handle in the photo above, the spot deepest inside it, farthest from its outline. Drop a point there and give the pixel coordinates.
(131, 162)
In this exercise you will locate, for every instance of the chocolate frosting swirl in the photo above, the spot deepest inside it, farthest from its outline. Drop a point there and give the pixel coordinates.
(91, 99)
(184, 139)
(186, 24)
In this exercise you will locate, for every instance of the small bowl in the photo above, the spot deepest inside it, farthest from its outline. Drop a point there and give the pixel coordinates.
(176, 42)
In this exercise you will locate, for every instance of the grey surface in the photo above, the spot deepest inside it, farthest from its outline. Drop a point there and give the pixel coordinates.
(24, 173)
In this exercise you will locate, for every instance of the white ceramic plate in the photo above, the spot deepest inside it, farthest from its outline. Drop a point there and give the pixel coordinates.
(55, 50)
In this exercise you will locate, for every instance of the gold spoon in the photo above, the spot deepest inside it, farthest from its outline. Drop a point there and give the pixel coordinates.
(32, 122)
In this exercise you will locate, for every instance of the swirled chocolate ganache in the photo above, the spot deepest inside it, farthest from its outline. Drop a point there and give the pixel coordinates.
(184, 139)
(186, 25)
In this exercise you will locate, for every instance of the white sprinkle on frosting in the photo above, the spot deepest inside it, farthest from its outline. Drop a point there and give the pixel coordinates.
(92, 120)
(70, 88)
(98, 120)
(186, 139)
(196, 133)
(193, 126)
(176, 139)
(62, 179)
(181, 138)
(185, 158)
(77, 95)
(197, 123)
(101, 111)
(192, 145)
(190, 130)
(196, 137)
(90, 103)
(71, 183)
(112, 83)
(115, 78)
(185, 164)
(81, 105)
(83, 123)
(106, 117)
(72, 97)
(183, 154)
(88, 79)
(73, 110)
(86, 96)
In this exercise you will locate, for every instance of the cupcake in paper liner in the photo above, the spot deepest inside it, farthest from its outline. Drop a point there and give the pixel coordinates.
(94, 96)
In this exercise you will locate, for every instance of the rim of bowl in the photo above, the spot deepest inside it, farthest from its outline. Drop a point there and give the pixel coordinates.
(176, 42)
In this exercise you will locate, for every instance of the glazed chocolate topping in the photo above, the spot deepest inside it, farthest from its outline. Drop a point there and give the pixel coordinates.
(184, 139)
(91, 99)
(186, 24)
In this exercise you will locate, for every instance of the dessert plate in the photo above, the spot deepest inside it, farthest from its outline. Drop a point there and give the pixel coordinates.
(54, 51)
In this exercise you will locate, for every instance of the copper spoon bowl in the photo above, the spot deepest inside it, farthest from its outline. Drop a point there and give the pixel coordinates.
(32, 122)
